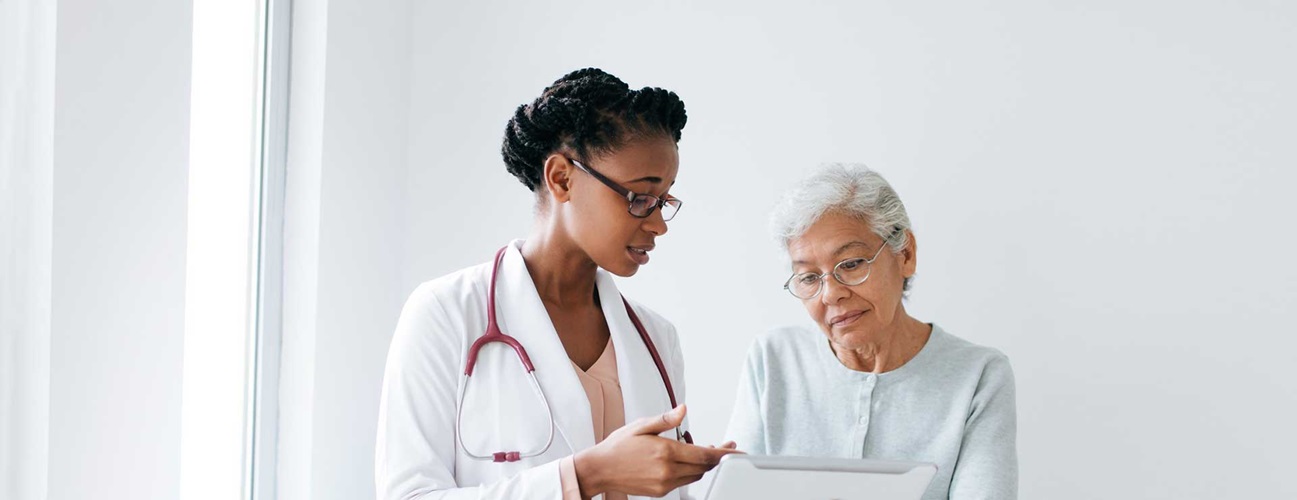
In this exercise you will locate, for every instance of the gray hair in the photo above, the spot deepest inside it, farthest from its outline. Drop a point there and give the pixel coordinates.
(847, 188)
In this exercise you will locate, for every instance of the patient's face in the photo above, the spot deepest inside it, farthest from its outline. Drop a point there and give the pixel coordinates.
(852, 316)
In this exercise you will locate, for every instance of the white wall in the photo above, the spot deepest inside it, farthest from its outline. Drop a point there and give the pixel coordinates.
(1101, 191)
(343, 242)
(360, 235)
(121, 135)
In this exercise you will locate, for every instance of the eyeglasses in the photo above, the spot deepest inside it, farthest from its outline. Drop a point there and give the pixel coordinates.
(850, 272)
(641, 205)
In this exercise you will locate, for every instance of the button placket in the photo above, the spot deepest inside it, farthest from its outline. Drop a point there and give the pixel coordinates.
(865, 410)
(861, 409)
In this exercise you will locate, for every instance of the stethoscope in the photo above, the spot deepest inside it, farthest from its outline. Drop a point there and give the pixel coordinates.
(493, 334)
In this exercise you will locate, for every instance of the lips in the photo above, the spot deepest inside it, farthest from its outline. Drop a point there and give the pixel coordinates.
(639, 254)
(846, 318)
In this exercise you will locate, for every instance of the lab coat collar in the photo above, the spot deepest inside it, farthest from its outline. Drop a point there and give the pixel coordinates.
(522, 315)
(643, 393)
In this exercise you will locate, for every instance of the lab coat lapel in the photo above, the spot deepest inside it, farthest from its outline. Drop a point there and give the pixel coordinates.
(642, 390)
(643, 393)
(523, 316)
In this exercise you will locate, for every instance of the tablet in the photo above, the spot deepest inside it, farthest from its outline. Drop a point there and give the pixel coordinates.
(757, 477)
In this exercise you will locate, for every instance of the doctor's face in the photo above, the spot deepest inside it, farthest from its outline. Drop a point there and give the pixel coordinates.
(598, 218)
(857, 315)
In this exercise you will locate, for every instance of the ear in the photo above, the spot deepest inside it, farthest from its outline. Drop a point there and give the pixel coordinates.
(557, 177)
(909, 255)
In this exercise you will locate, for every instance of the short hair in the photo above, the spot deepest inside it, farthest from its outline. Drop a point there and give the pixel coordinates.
(846, 188)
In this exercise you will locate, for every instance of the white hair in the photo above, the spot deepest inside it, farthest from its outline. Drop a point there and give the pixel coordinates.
(850, 189)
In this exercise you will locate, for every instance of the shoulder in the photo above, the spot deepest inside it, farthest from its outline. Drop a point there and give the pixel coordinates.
(955, 348)
(455, 287)
(456, 291)
(785, 346)
(438, 311)
(961, 355)
(787, 340)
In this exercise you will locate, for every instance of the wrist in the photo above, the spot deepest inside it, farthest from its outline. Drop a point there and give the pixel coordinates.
(589, 475)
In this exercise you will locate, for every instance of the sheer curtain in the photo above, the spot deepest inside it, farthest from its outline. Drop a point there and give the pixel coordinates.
(26, 191)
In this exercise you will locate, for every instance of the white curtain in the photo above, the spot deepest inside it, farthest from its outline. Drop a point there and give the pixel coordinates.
(26, 190)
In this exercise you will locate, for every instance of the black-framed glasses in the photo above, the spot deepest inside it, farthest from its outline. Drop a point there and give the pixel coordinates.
(849, 272)
(641, 205)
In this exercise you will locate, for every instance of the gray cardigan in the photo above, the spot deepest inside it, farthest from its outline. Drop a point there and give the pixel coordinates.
(952, 405)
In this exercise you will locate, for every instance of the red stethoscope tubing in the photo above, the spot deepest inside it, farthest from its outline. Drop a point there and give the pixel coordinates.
(493, 334)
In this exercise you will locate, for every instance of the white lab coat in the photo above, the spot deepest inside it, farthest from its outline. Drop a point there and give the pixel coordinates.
(417, 455)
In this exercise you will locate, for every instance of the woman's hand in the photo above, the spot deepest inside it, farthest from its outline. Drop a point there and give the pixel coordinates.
(636, 461)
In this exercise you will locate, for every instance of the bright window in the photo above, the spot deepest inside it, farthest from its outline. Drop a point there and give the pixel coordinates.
(221, 266)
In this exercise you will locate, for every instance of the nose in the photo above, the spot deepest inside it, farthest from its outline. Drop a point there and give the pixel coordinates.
(655, 224)
(833, 291)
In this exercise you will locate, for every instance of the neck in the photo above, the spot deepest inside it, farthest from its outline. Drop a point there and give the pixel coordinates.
(563, 274)
(897, 345)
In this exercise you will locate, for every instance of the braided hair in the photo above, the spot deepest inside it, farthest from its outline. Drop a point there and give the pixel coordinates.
(587, 111)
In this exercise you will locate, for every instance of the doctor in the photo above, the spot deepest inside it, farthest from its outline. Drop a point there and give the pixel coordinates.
(562, 390)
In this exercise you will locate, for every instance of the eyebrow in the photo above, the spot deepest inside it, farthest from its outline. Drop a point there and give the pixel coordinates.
(839, 251)
(848, 246)
(654, 181)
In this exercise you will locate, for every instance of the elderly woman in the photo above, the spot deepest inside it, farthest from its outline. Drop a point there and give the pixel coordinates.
(873, 382)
